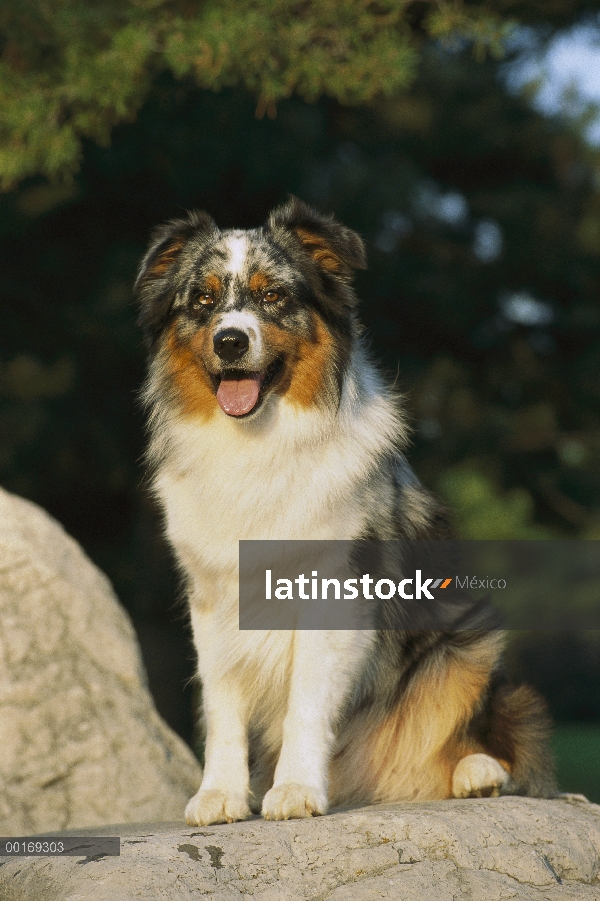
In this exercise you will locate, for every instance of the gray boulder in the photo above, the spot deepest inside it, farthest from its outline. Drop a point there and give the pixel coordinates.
(81, 743)
(481, 850)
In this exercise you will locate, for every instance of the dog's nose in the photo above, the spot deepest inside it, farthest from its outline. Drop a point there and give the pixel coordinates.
(231, 345)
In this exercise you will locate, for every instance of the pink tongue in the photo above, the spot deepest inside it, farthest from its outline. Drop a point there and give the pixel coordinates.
(238, 396)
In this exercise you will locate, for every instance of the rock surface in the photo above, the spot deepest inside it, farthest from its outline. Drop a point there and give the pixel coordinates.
(480, 850)
(81, 743)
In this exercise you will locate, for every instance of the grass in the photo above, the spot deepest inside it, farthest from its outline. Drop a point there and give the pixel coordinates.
(577, 750)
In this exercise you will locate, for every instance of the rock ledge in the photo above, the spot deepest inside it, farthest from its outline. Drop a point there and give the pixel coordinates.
(481, 850)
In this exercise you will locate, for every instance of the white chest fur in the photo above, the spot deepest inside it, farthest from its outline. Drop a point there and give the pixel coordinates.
(295, 475)
(288, 474)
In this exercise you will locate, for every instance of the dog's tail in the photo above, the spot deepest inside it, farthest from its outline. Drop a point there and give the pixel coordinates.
(515, 728)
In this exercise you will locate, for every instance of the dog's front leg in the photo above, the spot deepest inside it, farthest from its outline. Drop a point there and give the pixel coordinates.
(325, 665)
(223, 795)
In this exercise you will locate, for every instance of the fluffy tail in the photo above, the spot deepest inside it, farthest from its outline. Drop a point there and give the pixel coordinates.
(515, 729)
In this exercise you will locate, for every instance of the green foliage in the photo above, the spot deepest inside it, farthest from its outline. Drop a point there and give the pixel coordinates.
(577, 751)
(72, 70)
(348, 50)
(479, 25)
(481, 512)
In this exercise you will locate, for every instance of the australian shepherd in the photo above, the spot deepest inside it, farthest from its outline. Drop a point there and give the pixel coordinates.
(269, 420)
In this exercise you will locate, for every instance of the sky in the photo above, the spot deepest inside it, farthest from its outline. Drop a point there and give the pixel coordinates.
(567, 70)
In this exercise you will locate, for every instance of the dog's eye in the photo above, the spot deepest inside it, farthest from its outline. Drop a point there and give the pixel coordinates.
(205, 299)
(271, 296)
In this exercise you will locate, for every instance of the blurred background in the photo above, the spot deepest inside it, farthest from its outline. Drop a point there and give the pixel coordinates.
(461, 140)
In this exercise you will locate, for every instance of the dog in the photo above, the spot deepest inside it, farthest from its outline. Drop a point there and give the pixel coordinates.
(269, 420)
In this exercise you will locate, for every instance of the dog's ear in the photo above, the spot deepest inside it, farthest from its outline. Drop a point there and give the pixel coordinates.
(335, 249)
(166, 243)
(153, 279)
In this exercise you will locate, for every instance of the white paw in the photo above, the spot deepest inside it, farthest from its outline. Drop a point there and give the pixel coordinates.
(215, 806)
(289, 801)
(478, 776)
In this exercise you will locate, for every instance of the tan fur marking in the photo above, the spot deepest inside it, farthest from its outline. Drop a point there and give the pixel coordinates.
(309, 374)
(307, 362)
(412, 753)
(189, 377)
(259, 281)
(320, 251)
(166, 259)
(212, 283)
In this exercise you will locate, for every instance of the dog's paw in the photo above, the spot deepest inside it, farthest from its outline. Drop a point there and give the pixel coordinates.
(290, 801)
(215, 806)
(478, 776)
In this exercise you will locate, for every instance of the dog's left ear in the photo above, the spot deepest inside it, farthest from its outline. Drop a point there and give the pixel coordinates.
(167, 242)
(335, 249)
(153, 286)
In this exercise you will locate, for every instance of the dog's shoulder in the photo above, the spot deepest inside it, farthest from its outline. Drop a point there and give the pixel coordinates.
(418, 513)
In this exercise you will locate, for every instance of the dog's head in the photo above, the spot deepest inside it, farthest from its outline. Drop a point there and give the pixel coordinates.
(234, 318)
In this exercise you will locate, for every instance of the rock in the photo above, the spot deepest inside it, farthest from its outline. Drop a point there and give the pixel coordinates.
(481, 850)
(81, 743)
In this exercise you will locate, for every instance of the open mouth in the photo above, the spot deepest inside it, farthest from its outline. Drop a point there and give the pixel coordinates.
(240, 392)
